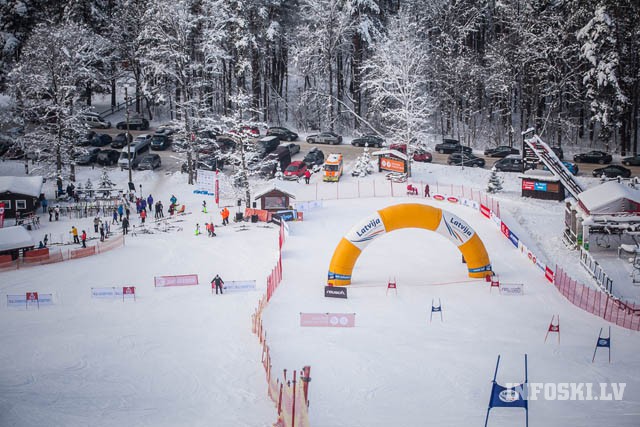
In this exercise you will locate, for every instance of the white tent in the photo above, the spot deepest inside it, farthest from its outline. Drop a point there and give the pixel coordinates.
(610, 198)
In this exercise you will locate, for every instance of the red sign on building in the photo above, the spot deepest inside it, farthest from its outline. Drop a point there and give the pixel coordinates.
(528, 185)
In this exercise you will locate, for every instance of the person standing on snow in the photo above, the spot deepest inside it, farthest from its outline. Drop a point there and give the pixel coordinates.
(225, 216)
(125, 225)
(204, 206)
(426, 191)
(143, 215)
(96, 224)
(114, 217)
(173, 200)
(150, 202)
(307, 176)
(74, 233)
(197, 229)
(218, 282)
(102, 232)
(84, 239)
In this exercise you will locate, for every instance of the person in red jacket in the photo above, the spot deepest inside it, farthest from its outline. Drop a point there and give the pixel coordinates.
(143, 215)
(84, 239)
(307, 175)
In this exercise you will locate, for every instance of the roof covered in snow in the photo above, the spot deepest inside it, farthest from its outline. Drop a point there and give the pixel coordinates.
(14, 238)
(539, 175)
(610, 198)
(269, 189)
(28, 185)
(395, 153)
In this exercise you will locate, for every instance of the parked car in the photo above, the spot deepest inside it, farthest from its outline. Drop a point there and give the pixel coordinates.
(160, 141)
(86, 139)
(14, 153)
(101, 139)
(631, 161)
(88, 157)
(612, 171)
(594, 156)
(226, 141)
(325, 138)
(295, 170)
(121, 140)
(571, 167)
(293, 148)
(148, 162)
(143, 139)
(512, 163)
(108, 157)
(465, 159)
(208, 163)
(501, 151)
(449, 146)
(368, 140)
(135, 123)
(248, 130)
(94, 120)
(267, 144)
(165, 130)
(283, 133)
(314, 157)
(420, 155)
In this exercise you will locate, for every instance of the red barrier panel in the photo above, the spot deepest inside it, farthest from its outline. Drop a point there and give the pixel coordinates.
(82, 252)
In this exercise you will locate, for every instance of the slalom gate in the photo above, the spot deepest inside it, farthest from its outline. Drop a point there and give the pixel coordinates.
(597, 302)
(290, 395)
(52, 254)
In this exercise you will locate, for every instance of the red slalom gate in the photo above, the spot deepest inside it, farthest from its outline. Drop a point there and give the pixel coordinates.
(553, 328)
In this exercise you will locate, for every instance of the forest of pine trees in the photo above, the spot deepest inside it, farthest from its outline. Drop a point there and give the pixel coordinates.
(481, 71)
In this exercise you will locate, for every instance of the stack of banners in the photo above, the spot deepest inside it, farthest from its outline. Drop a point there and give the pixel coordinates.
(183, 280)
(123, 292)
(510, 289)
(334, 320)
(205, 182)
(238, 286)
(35, 298)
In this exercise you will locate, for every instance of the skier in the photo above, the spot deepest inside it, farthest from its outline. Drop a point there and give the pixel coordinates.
(102, 232)
(307, 175)
(173, 199)
(213, 230)
(50, 213)
(197, 229)
(56, 210)
(127, 211)
(120, 211)
(160, 207)
(96, 224)
(204, 206)
(74, 233)
(150, 201)
(143, 215)
(84, 239)
(218, 282)
(46, 240)
(114, 216)
(45, 203)
(125, 225)
(225, 216)
(426, 191)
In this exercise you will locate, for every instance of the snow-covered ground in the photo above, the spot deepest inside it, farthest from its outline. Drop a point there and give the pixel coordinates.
(182, 356)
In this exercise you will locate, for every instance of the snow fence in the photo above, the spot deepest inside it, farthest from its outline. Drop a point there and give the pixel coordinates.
(289, 395)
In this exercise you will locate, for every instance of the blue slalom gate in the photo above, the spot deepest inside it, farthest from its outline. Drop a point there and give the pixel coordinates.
(509, 397)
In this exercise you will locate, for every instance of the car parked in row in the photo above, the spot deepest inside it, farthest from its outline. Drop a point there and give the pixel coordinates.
(283, 133)
(511, 163)
(208, 163)
(293, 148)
(325, 138)
(465, 159)
(94, 120)
(448, 146)
(87, 157)
(314, 157)
(160, 141)
(121, 140)
(631, 161)
(148, 162)
(86, 138)
(108, 157)
(612, 171)
(593, 156)
(295, 170)
(571, 167)
(419, 154)
(134, 123)
(100, 140)
(501, 151)
(368, 140)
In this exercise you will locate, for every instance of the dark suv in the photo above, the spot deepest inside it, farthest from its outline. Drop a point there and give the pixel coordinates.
(449, 146)
(283, 133)
(135, 123)
(160, 141)
(465, 159)
(314, 157)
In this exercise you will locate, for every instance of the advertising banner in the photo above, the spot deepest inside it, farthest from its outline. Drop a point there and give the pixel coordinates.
(114, 292)
(512, 289)
(332, 320)
(184, 280)
(393, 165)
(504, 229)
(549, 274)
(1, 214)
(238, 286)
(514, 239)
(20, 301)
(335, 292)
(496, 220)
(485, 211)
(540, 186)
(205, 182)
(528, 185)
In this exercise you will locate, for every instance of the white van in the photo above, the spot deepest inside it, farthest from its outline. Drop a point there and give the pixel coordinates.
(137, 148)
(93, 120)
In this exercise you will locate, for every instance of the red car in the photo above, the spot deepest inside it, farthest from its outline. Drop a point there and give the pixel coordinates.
(251, 131)
(295, 170)
(419, 155)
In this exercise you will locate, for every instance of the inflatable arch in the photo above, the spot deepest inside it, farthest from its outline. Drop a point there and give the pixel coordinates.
(410, 215)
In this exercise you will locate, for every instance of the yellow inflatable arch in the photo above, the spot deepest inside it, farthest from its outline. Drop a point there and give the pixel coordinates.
(410, 215)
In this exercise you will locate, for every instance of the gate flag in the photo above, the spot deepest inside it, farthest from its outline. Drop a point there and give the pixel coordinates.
(503, 397)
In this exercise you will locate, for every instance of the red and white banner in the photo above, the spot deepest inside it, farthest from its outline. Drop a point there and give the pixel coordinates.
(504, 229)
(549, 274)
(183, 280)
(485, 211)
(24, 300)
(2, 215)
(333, 320)
(217, 190)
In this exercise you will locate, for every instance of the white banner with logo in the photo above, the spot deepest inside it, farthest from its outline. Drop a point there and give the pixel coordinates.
(307, 206)
(238, 286)
(512, 289)
(113, 292)
(20, 301)
(205, 182)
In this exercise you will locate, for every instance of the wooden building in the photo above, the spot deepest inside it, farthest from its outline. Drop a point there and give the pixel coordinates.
(20, 195)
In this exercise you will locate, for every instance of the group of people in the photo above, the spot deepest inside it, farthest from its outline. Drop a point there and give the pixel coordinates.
(54, 211)
(414, 190)
(83, 236)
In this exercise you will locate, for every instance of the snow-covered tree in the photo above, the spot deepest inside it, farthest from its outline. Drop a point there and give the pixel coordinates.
(395, 78)
(495, 182)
